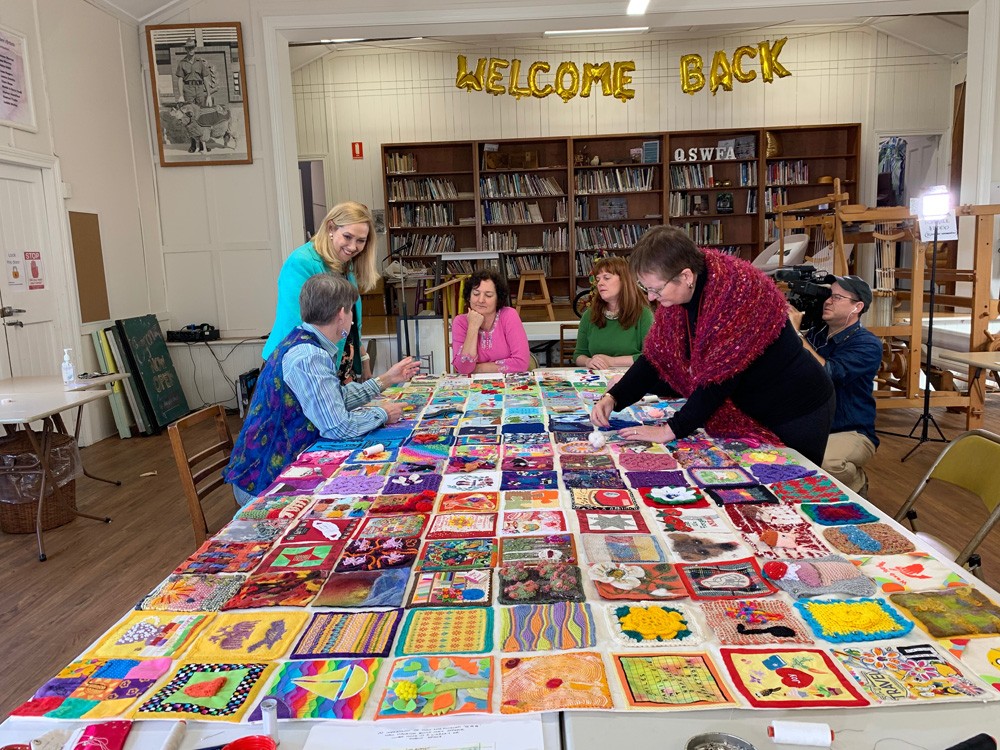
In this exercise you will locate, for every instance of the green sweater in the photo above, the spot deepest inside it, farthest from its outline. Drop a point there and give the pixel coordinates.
(612, 340)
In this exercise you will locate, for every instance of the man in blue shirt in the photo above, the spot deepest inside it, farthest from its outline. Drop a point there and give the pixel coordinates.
(851, 355)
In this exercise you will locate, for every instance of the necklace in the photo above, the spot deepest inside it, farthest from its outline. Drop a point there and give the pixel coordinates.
(486, 336)
(611, 315)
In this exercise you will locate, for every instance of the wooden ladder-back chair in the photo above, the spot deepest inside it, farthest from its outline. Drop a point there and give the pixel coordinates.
(972, 462)
(452, 304)
(201, 482)
(567, 345)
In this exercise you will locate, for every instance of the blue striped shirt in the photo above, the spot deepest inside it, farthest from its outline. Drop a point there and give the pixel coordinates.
(337, 411)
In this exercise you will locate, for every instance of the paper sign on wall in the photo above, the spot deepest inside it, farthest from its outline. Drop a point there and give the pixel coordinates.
(15, 271)
(33, 268)
(16, 107)
(357, 150)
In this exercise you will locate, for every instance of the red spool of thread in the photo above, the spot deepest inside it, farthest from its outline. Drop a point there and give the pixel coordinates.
(253, 742)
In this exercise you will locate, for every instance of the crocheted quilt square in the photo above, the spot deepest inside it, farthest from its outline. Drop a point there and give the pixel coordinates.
(412, 483)
(636, 581)
(243, 636)
(656, 478)
(684, 680)
(429, 437)
(302, 557)
(831, 574)
(746, 622)
(522, 462)
(547, 627)
(285, 588)
(348, 485)
(599, 478)
(553, 682)
(409, 502)
(539, 583)
(465, 464)
(610, 522)
(776, 531)
(251, 530)
(469, 502)
(652, 625)
(523, 429)
(405, 525)
(364, 588)
(524, 522)
(424, 466)
(462, 525)
(915, 571)
(458, 554)
(527, 438)
(757, 494)
(604, 499)
(536, 549)
(386, 456)
(480, 481)
(377, 554)
(379, 469)
(853, 619)
(625, 548)
(275, 506)
(700, 548)
(868, 539)
(815, 489)
(452, 588)
(351, 506)
(595, 462)
(582, 447)
(529, 480)
(320, 688)
(447, 631)
(207, 692)
(193, 592)
(531, 500)
(294, 485)
(725, 580)
(748, 456)
(664, 497)
(770, 473)
(787, 678)
(419, 453)
(695, 520)
(837, 514)
(348, 634)
(151, 635)
(953, 613)
(647, 461)
(900, 674)
(701, 453)
(224, 557)
(319, 530)
(421, 686)
(729, 476)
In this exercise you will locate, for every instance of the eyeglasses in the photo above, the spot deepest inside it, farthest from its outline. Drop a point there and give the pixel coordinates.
(655, 292)
(844, 296)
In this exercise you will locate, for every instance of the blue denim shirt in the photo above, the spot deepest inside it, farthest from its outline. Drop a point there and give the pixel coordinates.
(852, 359)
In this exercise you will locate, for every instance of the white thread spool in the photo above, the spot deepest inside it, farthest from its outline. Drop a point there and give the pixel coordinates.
(597, 440)
(372, 450)
(269, 713)
(800, 733)
(175, 738)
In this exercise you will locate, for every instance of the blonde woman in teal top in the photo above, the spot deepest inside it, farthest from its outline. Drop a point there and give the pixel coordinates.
(344, 244)
(615, 325)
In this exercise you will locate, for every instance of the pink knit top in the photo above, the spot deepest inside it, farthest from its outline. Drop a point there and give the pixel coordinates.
(506, 345)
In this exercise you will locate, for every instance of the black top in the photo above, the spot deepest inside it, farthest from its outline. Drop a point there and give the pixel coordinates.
(785, 382)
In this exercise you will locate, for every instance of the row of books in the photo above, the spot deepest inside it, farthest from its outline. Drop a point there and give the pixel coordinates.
(619, 180)
(400, 163)
(553, 240)
(688, 176)
(429, 215)
(468, 266)
(516, 263)
(619, 237)
(703, 232)
(788, 172)
(427, 244)
(511, 212)
(516, 185)
(427, 188)
(774, 197)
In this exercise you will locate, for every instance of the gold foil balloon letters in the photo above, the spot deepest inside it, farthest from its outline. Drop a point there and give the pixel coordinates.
(724, 71)
(567, 82)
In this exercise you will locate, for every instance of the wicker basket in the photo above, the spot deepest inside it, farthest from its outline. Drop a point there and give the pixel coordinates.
(19, 483)
(19, 518)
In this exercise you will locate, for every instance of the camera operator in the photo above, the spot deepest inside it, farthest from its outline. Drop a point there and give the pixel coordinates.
(851, 355)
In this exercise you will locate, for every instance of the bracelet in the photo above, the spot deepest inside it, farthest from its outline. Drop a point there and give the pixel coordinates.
(365, 357)
(379, 383)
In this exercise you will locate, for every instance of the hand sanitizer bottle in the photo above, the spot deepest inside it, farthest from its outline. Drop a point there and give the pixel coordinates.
(68, 371)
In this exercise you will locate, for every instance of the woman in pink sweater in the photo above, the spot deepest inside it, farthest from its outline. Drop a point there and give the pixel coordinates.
(490, 336)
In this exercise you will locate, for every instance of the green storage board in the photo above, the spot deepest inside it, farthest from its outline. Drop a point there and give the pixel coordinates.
(153, 369)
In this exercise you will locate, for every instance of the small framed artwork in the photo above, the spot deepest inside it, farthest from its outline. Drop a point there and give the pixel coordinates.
(17, 109)
(199, 94)
(699, 204)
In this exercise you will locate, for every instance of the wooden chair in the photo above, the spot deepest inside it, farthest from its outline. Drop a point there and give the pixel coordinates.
(196, 488)
(544, 300)
(452, 303)
(567, 346)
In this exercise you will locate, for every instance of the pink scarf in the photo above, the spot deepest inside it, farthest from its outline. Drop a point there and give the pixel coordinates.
(741, 313)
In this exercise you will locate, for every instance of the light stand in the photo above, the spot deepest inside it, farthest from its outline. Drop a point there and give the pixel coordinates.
(402, 292)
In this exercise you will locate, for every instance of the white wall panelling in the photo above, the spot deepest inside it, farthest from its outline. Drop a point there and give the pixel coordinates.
(208, 371)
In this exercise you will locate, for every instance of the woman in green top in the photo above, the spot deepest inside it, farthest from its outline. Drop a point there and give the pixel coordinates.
(615, 325)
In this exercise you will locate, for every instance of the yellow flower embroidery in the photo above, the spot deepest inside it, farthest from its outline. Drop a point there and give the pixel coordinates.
(653, 623)
(404, 690)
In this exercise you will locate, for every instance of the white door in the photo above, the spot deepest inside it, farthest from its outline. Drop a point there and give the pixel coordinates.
(29, 292)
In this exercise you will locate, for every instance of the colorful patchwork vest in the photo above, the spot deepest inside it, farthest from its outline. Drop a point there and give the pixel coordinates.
(276, 430)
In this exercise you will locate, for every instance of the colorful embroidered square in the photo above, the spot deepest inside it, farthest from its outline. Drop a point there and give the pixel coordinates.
(652, 624)
(703, 454)
(519, 522)
(458, 554)
(302, 557)
(660, 497)
(546, 627)
(815, 489)
(746, 622)
(580, 446)
(352, 506)
(647, 461)
(824, 575)
(622, 548)
(347, 485)
(637, 581)
(207, 692)
(529, 480)
(193, 592)
(360, 456)
(770, 473)
(364, 470)
(459, 525)
(853, 620)
(868, 539)
(289, 588)
(789, 679)
(470, 502)
(776, 531)
(348, 634)
(725, 580)
(535, 549)
(447, 631)
(609, 522)
(412, 484)
(377, 554)
(916, 571)
(479, 481)
(699, 548)
(758, 494)
(540, 583)
(531, 500)
(554, 682)
(320, 688)
(584, 463)
(224, 557)
(656, 478)
(705, 521)
(837, 514)
(275, 506)
(365, 588)
(898, 674)
(452, 588)
(608, 499)
(252, 531)
(732, 476)
(263, 636)
(600, 478)
(671, 681)
(319, 530)
(952, 613)
(422, 686)
(416, 502)
(407, 525)
(151, 635)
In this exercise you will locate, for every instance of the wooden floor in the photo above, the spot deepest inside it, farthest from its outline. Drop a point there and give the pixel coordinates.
(51, 611)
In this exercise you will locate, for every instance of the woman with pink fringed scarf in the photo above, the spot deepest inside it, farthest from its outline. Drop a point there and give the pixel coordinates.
(721, 339)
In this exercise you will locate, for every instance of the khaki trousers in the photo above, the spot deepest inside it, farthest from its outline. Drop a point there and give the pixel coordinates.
(845, 457)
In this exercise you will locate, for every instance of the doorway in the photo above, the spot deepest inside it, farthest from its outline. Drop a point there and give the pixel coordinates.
(313, 183)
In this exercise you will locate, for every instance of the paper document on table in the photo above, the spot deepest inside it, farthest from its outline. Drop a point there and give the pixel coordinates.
(512, 734)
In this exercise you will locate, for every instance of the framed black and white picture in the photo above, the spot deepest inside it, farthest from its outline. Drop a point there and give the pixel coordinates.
(199, 94)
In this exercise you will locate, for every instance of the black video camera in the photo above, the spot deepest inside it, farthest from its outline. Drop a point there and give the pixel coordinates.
(806, 291)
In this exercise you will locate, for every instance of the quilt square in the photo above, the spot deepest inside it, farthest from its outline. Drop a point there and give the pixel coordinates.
(407, 525)
(837, 514)
(224, 557)
(413, 484)
(768, 473)
(320, 688)
(364, 588)
(379, 469)
(776, 531)
(529, 480)
(353, 485)
(625, 548)
(916, 571)
(832, 574)
(656, 478)
(262, 636)
(581, 446)
(480, 481)
(378, 554)
(687, 680)
(465, 464)
(362, 456)
(786, 678)
(458, 554)
(251, 530)
(274, 506)
(207, 691)
(703, 548)
(703, 521)
(408, 503)
(636, 581)
(604, 499)
(422, 686)
(609, 522)
(725, 580)
(814, 489)
(470, 502)
(868, 539)
(536, 549)
(742, 495)
(319, 530)
(151, 635)
(644, 462)
(452, 588)
(953, 613)
(608, 479)
(539, 583)
(600, 462)
(348, 634)
(427, 466)
(547, 627)
(980, 656)
(553, 682)
(462, 525)
(698, 452)
(193, 592)
(285, 588)
(748, 622)
(731, 476)
(446, 631)
(531, 500)
(652, 625)
(666, 497)
(352, 506)
(521, 522)
(302, 557)
(853, 620)
(521, 462)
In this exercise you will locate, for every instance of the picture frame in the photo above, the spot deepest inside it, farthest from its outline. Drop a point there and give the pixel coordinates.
(17, 107)
(200, 102)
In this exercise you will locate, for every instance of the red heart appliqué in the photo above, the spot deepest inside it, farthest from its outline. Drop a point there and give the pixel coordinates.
(794, 677)
(206, 689)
